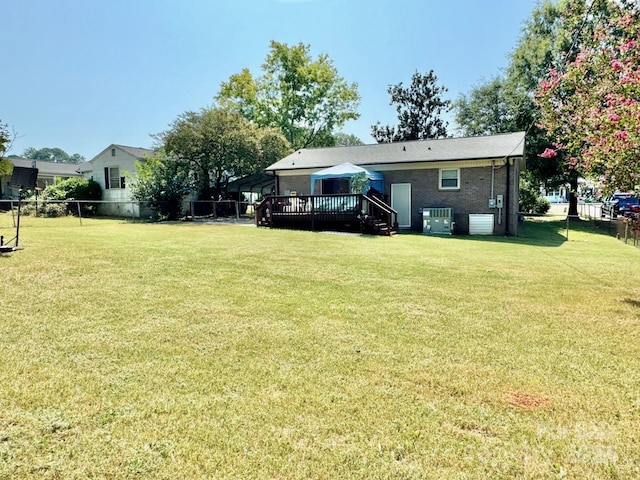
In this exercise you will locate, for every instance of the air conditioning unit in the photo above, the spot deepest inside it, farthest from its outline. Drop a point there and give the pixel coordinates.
(437, 221)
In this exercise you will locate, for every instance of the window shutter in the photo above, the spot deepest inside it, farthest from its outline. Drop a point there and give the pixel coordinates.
(122, 184)
(106, 178)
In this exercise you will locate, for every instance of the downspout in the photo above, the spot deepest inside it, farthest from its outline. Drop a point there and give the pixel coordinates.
(493, 176)
(506, 207)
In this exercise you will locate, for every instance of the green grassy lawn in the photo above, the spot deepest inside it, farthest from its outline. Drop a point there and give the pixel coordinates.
(208, 351)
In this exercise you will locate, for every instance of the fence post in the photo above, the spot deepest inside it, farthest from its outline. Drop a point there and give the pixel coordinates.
(626, 232)
(79, 213)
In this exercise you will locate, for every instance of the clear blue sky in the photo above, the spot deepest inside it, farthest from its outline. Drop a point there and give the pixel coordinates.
(83, 74)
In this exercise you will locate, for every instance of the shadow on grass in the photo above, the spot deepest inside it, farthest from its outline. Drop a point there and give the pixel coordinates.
(544, 232)
(632, 302)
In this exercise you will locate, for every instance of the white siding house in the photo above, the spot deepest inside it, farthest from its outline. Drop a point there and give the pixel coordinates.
(112, 168)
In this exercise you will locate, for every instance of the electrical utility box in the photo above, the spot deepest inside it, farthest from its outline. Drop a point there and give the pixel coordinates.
(437, 221)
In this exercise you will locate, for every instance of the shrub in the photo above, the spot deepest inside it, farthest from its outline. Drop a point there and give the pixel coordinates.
(44, 209)
(530, 199)
(162, 183)
(75, 189)
(52, 210)
(542, 206)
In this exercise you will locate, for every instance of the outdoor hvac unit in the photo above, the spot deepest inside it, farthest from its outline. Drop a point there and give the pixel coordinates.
(437, 221)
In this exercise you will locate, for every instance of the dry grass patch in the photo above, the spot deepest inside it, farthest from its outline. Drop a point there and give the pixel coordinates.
(527, 401)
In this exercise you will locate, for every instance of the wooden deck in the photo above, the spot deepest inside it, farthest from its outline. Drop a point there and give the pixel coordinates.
(350, 213)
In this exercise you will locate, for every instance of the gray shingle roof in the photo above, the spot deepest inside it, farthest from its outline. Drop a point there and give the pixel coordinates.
(48, 168)
(137, 152)
(446, 149)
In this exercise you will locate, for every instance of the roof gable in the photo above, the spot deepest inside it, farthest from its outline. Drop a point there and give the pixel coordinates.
(441, 150)
(138, 153)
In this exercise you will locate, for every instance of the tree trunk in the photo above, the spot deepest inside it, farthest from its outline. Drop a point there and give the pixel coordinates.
(573, 198)
(205, 185)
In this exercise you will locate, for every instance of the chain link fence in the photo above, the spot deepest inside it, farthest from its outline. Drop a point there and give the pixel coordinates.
(626, 229)
(224, 211)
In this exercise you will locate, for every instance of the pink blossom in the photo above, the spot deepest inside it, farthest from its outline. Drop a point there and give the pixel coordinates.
(625, 47)
(614, 117)
(621, 134)
(549, 153)
(627, 20)
(616, 65)
(545, 84)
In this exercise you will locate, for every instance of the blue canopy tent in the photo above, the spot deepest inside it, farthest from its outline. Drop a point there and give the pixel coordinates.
(348, 170)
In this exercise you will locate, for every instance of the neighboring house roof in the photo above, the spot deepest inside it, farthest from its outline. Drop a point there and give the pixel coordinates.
(446, 149)
(47, 168)
(85, 167)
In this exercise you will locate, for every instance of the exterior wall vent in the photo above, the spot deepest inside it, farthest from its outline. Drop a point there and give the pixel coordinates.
(481, 223)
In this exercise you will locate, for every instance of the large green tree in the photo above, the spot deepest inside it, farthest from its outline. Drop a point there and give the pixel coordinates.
(346, 139)
(485, 110)
(305, 99)
(162, 182)
(5, 139)
(419, 106)
(52, 155)
(6, 167)
(220, 145)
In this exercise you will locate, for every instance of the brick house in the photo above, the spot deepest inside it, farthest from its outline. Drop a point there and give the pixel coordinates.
(478, 177)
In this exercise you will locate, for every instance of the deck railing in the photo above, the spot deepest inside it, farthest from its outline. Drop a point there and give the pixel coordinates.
(349, 212)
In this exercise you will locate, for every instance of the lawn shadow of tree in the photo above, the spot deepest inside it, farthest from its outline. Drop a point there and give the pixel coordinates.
(632, 302)
(537, 233)
(550, 232)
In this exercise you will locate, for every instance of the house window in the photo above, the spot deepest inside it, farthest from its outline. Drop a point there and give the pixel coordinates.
(112, 178)
(450, 179)
(113, 152)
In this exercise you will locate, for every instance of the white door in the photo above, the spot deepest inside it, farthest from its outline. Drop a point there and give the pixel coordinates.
(401, 203)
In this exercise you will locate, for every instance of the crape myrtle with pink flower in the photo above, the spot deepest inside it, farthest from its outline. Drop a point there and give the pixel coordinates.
(590, 106)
